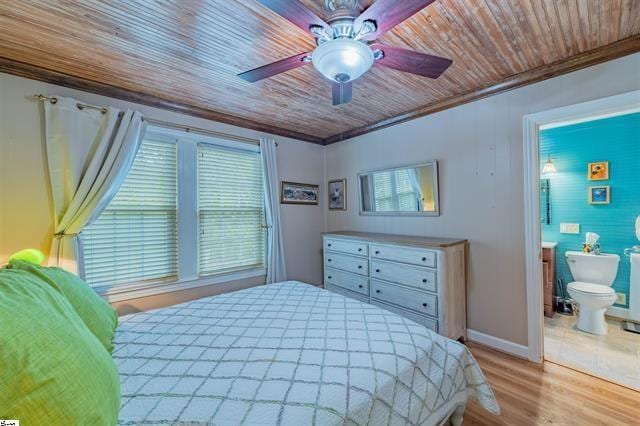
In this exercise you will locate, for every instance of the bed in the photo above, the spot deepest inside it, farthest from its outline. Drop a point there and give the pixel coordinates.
(290, 353)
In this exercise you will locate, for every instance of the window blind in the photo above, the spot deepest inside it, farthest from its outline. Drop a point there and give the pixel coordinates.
(135, 237)
(393, 191)
(231, 210)
(407, 198)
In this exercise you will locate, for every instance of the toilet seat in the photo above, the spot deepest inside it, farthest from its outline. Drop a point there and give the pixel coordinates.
(591, 290)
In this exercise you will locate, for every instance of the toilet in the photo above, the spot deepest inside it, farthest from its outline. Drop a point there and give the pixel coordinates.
(591, 290)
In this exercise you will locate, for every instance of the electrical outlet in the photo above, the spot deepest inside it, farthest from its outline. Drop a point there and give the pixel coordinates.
(569, 228)
(621, 298)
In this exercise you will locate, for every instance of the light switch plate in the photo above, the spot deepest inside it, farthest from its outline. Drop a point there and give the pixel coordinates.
(569, 228)
(621, 298)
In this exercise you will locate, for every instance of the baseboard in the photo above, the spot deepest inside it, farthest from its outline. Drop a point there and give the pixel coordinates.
(622, 313)
(499, 344)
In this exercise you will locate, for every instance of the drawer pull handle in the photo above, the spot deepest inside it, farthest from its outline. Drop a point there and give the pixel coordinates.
(377, 291)
(360, 286)
(359, 266)
(328, 260)
(329, 245)
(360, 249)
(424, 280)
(377, 270)
(329, 277)
(425, 304)
(377, 252)
(424, 259)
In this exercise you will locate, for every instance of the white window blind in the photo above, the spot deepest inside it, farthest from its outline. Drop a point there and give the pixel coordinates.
(231, 210)
(135, 237)
(393, 191)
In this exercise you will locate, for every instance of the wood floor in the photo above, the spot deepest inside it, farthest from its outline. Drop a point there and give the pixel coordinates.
(530, 394)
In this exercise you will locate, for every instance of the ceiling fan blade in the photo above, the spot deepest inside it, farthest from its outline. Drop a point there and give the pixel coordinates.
(411, 62)
(296, 13)
(274, 68)
(342, 93)
(389, 13)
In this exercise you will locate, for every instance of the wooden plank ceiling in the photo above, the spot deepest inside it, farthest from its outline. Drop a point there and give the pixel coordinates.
(188, 53)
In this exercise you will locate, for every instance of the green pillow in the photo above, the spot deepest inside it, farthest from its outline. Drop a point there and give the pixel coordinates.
(29, 255)
(96, 313)
(53, 370)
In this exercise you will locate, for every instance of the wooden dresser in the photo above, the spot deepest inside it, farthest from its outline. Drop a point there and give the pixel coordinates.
(420, 278)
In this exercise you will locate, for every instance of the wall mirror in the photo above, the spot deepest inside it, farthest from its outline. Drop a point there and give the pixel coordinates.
(407, 190)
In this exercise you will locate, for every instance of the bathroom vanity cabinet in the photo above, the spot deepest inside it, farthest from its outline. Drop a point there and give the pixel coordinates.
(548, 278)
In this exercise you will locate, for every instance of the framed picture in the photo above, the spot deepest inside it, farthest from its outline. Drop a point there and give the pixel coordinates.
(298, 193)
(338, 194)
(599, 195)
(599, 170)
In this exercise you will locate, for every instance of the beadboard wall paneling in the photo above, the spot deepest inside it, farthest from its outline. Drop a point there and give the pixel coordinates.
(479, 147)
(616, 140)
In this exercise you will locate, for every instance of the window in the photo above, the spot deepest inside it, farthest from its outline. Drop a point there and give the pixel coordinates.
(231, 209)
(135, 237)
(191, 208)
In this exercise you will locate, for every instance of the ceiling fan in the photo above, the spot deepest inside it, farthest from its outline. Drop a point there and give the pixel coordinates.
(346, 46)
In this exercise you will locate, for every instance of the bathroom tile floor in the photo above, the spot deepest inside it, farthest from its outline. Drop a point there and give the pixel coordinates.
(614, 356)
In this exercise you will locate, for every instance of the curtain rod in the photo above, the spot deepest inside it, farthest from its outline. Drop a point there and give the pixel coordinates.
(206, 132)
(54, 101)
(160, 123)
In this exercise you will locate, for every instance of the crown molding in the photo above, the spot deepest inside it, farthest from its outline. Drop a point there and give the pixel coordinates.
(34, 72)
(583, 60)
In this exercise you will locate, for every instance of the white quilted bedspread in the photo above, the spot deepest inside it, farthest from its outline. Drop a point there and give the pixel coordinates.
(293, 354)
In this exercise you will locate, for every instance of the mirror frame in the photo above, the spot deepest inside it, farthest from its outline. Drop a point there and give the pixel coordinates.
(436, 191)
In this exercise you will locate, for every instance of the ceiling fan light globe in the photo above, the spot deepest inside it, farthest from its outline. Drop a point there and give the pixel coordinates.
(342, 59)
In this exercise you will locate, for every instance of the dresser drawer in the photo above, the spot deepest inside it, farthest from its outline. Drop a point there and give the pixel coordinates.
(358, 265)
(428, 322)
(352, 282)
(346, 246)
(405, 255)
(422, 278)
(339, 290)
(405, 297)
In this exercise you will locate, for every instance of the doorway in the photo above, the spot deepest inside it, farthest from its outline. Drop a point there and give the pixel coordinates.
(556, 337)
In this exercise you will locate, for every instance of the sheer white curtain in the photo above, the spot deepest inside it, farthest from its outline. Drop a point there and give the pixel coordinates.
(89, 153)
(412, 173)
(276, 269)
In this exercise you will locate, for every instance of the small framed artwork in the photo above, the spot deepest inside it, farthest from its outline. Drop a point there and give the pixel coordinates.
(298, 193)
(599, 170)
(599, 194)
(338, 194)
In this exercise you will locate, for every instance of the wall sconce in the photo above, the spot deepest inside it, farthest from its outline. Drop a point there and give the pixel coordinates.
(549, 167)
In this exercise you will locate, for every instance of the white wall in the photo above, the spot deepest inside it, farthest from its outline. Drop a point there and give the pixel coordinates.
(479, 149)
(25, 201)
(478, 145)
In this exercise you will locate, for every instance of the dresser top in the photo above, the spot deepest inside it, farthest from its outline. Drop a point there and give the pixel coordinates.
(409, 240)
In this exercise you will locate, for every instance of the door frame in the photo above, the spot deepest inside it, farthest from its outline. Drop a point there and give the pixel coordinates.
(532, 123)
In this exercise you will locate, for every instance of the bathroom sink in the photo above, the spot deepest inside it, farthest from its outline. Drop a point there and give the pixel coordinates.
(549, 245)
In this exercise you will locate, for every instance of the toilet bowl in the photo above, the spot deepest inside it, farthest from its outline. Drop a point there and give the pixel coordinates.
(591, 290)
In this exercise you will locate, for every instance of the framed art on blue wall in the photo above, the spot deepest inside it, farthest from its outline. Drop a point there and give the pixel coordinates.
(599, 194)
(599, 170)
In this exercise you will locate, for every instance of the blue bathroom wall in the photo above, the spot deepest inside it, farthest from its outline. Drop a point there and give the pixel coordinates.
(616, 140)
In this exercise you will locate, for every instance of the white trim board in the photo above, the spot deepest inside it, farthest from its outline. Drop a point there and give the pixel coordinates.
(128, 292)
(532, 123)
(499, 344)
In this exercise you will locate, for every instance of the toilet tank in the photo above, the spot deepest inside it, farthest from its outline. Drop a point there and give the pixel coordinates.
(593, 268)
